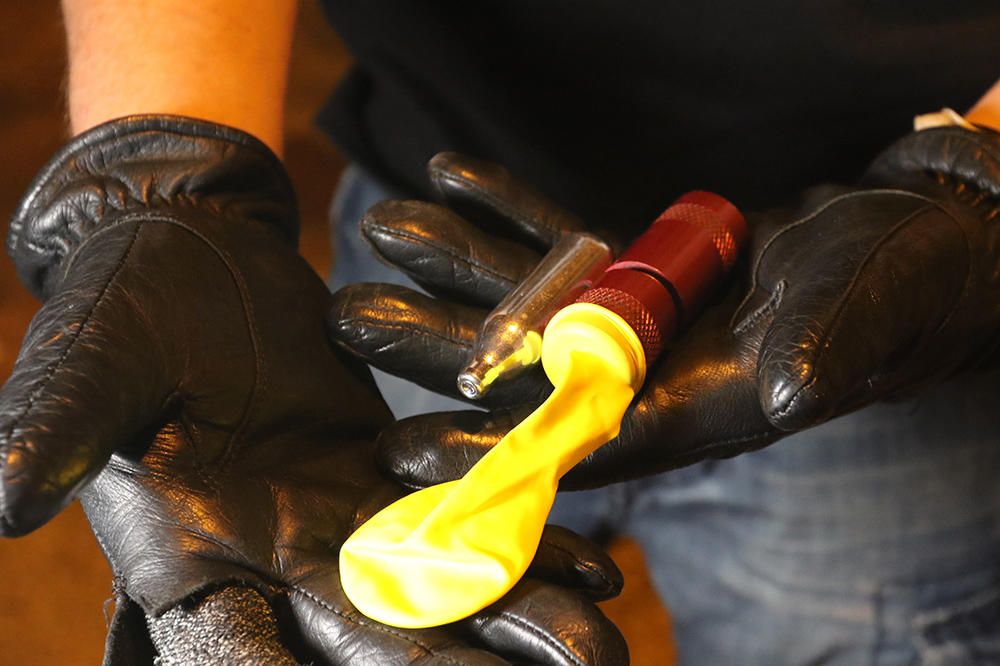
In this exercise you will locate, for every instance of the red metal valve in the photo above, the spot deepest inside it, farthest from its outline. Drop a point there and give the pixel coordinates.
(658, 284)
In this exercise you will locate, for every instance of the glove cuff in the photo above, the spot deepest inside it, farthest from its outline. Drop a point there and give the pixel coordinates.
(145, 163)
(969, 158)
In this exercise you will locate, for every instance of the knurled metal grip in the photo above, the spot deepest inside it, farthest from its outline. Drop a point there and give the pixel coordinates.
(663, 278)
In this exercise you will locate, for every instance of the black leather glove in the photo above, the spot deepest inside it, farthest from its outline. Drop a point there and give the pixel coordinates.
(178, 377)
(851, 296)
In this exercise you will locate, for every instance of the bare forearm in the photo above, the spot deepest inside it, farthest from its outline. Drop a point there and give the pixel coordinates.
(987, 110)
(219, 60)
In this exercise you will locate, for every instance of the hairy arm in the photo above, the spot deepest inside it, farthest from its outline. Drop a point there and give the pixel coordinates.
(220, 60)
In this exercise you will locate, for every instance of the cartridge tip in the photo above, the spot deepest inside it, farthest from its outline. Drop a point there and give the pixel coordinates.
(470, 386)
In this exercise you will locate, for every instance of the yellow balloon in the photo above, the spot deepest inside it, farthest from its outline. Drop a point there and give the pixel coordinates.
(448, 551)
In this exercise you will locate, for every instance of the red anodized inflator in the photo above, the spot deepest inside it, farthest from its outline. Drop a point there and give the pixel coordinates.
(658, 284)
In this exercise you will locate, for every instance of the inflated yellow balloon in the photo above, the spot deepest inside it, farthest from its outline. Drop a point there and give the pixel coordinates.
(448, 551)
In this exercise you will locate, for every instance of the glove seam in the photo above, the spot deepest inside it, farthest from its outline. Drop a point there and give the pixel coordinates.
(416, 239)
(378, 627)
(526, 224)
(542, 636)
(772, 303)
(260, 372)
(580, 563)
(260, 381)
(405, 327)
(51, 372)
(113, 222)
(755, 282)
(837, 320)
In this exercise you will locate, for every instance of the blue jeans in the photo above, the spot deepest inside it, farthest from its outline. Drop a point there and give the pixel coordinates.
(873, 539)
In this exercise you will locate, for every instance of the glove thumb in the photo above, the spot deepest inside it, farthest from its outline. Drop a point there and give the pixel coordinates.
(85, 382)
(870, 319)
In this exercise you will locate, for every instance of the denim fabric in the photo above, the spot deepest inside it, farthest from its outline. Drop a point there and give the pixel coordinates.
(873, 539)
(870, 540)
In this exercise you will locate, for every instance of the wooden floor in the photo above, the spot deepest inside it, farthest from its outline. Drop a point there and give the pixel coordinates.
(54, 583)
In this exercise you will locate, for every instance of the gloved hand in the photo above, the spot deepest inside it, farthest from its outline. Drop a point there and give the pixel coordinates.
(851, 296)
(179, 379)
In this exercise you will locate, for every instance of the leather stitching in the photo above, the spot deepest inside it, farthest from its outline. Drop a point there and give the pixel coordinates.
(260, 373)
(837, 321)
(534, 226)
(377, 627)
(770, 305)
(755, 282)
(585, 565)
(462, 259)
(405, 327)
(53, 369)
(542, 636)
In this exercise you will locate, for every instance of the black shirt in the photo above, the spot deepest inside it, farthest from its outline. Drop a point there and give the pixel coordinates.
(614, 107)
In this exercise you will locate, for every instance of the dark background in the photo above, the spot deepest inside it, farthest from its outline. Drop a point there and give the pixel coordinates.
(54, 583)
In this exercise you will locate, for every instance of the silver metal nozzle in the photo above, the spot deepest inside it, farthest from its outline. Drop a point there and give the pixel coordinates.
(470, 386)
(510, 339)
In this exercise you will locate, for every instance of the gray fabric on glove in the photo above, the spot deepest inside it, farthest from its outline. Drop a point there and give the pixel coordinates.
(230, 626)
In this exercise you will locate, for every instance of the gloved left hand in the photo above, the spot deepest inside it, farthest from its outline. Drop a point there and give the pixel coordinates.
(179, 379)
(853, 295)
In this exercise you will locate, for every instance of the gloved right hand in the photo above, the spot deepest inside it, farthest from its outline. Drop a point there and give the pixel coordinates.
(853, 295)
(178, 377)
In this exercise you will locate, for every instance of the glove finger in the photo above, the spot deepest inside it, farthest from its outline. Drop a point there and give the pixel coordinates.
(85, 383)
(701, 401)
(444, 254)
(487, 194)
(327, 622)
(887, 288)
(422, 339)
(550, 625)
(429, 449)
(572, 561)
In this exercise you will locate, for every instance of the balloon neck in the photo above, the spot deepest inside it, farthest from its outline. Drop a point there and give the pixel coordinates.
(586, 328)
